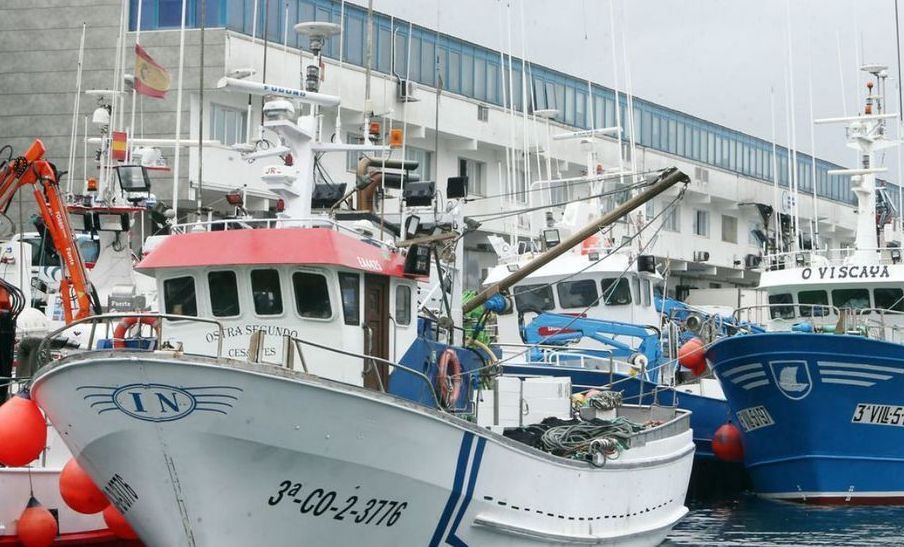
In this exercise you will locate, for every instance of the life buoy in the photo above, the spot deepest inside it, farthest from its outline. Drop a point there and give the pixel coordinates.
(449, 390)
(123, 327)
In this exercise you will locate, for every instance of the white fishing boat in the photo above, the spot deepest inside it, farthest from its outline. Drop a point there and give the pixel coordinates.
(313, 433)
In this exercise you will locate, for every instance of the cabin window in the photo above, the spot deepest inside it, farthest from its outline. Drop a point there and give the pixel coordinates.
(889, 299)
(179, 295)
(403, 305)
(533, 297)
(224, 294)
(854, 299)
(781, 312)
(811, 302)
(616, 291)
(577, 294)
(350, 290)
(312, 297)
(635, 283)
(646, 292)
(267, 292)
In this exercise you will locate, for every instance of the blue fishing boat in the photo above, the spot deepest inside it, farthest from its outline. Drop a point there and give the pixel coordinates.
(820, 397)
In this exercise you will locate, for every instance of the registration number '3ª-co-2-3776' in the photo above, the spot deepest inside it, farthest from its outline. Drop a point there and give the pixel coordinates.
(352, 508)
(754, 417)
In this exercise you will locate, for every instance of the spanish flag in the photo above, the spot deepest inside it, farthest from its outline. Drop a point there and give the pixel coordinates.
(151, 79)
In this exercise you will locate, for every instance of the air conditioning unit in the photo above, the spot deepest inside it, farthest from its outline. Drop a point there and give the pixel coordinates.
(407, 89)
(701, 256)
(752, 261)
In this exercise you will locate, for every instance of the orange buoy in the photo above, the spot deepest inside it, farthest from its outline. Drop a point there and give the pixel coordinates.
(23, 431)
(118, 523)
(692, 355)
(79, 491)
(36, 526)
(727, 444)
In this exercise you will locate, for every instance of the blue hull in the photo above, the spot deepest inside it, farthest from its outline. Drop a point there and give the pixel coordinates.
(707, 413)
(822, 416)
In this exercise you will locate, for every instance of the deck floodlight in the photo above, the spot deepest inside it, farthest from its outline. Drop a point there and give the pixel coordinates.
(551, 238)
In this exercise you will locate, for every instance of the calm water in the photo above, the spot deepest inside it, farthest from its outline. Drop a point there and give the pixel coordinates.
(748, 520)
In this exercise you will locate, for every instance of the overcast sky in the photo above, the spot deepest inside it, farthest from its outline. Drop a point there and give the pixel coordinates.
(716, 59)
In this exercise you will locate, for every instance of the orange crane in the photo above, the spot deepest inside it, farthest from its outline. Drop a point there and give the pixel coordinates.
(32, 169)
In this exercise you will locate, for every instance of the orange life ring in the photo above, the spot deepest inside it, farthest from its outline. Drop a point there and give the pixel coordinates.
(123, 327)
(449, 391)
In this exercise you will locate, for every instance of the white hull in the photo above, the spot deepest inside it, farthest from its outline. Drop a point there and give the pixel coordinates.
(253, 454)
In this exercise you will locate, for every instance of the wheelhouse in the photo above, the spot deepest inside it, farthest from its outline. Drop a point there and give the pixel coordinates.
(309, 283)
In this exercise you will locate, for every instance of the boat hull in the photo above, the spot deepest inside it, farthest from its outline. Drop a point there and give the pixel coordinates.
(822, 416)
(254, 454)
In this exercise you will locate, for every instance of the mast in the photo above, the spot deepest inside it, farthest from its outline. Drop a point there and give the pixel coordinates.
(867, 134)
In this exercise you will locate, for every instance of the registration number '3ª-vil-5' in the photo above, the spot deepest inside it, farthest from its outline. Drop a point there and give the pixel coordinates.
(351, 507)
(869, 413)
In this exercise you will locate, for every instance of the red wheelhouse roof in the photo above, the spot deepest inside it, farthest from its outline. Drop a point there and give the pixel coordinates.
(295, 246)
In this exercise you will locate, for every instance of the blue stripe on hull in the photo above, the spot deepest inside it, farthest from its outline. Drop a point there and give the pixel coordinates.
(813, 387)
(707, 413)
(461, 465)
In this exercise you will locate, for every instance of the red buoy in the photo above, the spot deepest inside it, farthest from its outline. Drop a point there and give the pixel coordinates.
(23, 431)
(118, 523)
(692, 355)
(79, 491)
(36, 526)
(727, 444)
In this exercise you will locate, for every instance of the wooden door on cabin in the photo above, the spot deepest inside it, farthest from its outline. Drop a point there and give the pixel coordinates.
(376, 330)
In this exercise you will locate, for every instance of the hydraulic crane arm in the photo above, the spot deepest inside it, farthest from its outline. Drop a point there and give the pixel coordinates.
(32, 169)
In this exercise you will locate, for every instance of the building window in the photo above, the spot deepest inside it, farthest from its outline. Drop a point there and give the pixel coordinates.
(649, 211)
(351, 158)
(266, 292)
(312, 297)
(224, 294)
(533, 298)
(729, 229)
(403, 305)
(179, 296)
(701, 223)
(577, 294)
(350, 291)
(227, 124)
(475, 171)
(672, 220)
(424, 159)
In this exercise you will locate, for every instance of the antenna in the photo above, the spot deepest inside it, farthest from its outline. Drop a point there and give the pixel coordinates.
(317, 34)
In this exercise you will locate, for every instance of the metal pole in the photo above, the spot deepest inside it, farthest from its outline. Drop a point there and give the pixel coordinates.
(201, 111)
(666, 180)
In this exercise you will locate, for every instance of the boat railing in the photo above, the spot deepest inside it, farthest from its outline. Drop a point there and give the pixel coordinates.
(226, 224)
(157, 323)
(879, 323)
(370, 361)
(828, 257)
(790, 313)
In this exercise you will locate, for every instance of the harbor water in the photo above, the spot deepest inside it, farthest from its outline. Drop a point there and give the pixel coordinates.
(749, 520)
